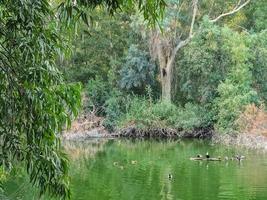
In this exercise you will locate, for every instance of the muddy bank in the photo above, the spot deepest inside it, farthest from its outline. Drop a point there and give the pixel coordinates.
(85, 127)
(88, 134)
(83, 133)
(133, 132)
(89, 126)
(250, 141)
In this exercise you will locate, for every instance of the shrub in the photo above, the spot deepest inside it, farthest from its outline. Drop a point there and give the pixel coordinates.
(192, 116)
(115, 106)
(144, 113)
(98, 92)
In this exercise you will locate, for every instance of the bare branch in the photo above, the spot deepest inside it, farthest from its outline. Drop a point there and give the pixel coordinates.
(179, 46)
(182, 44)
(193, 17)
(186, 41)
(236, 9)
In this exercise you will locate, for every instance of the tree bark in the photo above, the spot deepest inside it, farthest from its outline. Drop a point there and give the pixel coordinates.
(167, 76)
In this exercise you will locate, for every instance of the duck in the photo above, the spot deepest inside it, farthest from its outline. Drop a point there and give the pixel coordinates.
(207, 155)
(170, 176)
(115, 163)
(134, 162)
(198, 157)
(239, 157)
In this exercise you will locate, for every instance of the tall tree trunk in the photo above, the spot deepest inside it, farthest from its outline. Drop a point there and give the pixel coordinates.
(167, 78)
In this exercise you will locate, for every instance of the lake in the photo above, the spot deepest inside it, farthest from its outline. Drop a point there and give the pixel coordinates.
(139, 170)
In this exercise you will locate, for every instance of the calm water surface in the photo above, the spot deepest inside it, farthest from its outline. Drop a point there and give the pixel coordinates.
(138, 170)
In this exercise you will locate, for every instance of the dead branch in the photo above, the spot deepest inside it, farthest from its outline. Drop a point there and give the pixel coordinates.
(193, 17)
(236, 9)
(186, 41)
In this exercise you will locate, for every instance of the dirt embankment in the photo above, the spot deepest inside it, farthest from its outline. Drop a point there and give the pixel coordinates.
(251, 141)
(85, 127)
(253, 130)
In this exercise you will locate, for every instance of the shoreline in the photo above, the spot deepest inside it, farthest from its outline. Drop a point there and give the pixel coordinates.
(249, 141)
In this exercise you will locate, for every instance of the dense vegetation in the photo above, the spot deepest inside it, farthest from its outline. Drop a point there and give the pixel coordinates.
(201, 67)
(35, 103)
(219, 71)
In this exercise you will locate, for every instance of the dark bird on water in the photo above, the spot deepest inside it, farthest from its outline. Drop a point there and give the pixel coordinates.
(239, 157)
(207, 155)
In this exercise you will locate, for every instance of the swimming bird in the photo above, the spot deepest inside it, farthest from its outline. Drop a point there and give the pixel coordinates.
(239, 157)
(207, 155)
(170, 176)
(134, 162)
(115, 163)
(199, 156)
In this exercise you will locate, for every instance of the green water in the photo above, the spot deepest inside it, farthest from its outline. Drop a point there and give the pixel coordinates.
(133, 170)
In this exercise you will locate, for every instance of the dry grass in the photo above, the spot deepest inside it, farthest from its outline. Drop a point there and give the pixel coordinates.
(253, 120)
(86, 122)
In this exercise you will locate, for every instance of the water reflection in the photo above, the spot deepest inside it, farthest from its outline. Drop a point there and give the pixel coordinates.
(125, 169)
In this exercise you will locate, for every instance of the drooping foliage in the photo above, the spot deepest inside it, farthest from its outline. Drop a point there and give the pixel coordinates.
(35, 104)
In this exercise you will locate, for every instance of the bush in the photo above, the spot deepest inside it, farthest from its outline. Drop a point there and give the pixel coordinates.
(193, 116)
(143, 113)
(115, 107)
(98, 92)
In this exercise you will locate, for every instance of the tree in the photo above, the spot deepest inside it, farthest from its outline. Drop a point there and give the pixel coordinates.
(236, 91)
(97, 49)
(35, 103)
(203, 64)
(138, 71)
(179, 27)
